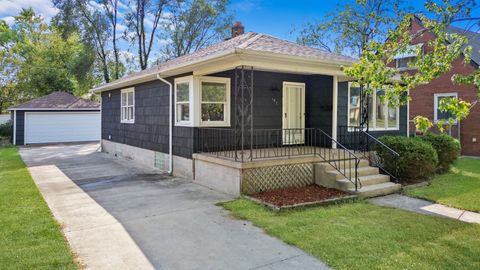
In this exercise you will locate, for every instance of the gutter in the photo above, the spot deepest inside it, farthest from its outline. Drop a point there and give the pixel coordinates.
(170, 124)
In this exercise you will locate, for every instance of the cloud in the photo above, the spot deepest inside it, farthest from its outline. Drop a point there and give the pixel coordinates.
(10, 8)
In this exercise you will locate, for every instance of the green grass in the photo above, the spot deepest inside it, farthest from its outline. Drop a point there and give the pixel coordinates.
(365, 236)
(29, 236)
(459, 188)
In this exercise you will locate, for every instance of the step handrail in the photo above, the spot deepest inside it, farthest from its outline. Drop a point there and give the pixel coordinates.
(337, 166)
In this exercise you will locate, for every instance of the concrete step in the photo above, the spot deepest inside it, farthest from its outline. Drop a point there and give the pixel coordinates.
(377, 190)
(367, 180)
(362, 171)
(327, 167)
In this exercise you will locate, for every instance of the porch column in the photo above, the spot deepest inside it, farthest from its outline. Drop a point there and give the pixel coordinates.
(334, 110)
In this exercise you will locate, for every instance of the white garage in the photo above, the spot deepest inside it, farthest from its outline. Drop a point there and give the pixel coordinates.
(49, 127)
(56, 118)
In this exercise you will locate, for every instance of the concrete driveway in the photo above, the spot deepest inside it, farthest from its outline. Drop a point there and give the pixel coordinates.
(119, 216)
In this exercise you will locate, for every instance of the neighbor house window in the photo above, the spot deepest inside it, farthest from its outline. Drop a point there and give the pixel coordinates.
(439, 114)
(214, 101)
(182, 101)
(381, 114)
(404, 60)
(127, 105)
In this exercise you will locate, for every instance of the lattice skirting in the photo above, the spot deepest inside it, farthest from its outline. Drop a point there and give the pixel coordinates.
(274, 177)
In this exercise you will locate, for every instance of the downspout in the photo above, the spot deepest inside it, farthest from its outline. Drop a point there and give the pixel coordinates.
(170, 124)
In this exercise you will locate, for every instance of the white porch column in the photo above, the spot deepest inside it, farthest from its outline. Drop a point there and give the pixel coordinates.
(334, 110)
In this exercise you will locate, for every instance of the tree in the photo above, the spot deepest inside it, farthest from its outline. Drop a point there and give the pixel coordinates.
(376, 68)
(195, 24)
(137, 20)
(351, 26)
(7, 80)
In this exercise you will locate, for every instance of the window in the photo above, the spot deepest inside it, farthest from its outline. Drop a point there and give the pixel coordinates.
(403, 60)
(382, 116)
(182, 100)
(202, 101)
(439, 114)
(214, 101)
(127, 106)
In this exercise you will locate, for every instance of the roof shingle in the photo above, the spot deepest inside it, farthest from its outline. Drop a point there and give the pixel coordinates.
(58, 100)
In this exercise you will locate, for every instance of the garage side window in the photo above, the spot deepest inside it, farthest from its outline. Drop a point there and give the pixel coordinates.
(128, 106)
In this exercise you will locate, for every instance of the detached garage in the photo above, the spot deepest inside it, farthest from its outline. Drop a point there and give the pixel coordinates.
(56, 118)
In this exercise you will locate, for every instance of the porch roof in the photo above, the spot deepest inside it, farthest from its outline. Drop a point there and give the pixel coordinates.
(251, 49)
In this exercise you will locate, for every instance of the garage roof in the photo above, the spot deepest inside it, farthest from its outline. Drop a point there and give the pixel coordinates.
(58, 101)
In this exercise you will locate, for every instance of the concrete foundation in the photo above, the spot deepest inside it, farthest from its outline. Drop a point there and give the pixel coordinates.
(182, 167)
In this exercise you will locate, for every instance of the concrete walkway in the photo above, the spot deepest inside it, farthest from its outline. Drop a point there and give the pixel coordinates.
(426, 207)
(119, 216)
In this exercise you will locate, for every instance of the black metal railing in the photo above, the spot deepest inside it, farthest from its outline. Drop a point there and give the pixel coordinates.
(366, 145)
(277, 143)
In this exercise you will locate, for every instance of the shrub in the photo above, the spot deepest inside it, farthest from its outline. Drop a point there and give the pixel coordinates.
(6, 129)
(447, 149)
(417, 161)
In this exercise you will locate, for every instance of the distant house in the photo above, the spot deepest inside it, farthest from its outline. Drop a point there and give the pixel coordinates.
(250, 113)
(425, 99)
(56, 118)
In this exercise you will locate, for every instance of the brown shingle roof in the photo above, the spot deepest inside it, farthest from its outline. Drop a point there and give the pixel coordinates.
(58, 100)
(248, 41)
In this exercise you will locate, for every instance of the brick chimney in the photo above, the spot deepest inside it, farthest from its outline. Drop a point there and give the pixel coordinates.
(237, 29)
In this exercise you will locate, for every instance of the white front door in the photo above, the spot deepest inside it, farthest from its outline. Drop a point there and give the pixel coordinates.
(293, 113)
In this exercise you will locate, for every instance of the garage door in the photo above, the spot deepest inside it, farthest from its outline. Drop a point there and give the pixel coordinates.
(61, 127)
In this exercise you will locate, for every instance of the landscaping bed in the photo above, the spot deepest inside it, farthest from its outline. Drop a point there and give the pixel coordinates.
(299, 196)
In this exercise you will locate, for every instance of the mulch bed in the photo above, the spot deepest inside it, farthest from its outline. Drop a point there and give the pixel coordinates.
(297, 195)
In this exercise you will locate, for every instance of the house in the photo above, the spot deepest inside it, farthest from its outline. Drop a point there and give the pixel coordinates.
(425, 99)
(250, 113)
(56, 118)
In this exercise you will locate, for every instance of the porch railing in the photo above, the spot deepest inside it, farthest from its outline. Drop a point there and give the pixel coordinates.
(365, 145)
(278, 143)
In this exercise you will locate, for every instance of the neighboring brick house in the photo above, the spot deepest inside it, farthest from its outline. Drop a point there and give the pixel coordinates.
(425, 98)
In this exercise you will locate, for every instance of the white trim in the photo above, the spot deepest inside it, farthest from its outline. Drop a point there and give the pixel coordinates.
(189, 80)
(54, 109)
(373, 126)
(122, 119)
(170, 124)
(14, 127)
(435, 103)
(227, 103)
(25, 128)
(335, 110)
(408, 113)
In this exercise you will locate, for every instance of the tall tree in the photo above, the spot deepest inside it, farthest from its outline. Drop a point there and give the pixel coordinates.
(351, 26)
(111, 11)
(195, 24)
(145, 14)
(376, 68)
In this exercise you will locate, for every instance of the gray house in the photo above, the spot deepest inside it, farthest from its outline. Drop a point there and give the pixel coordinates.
(251, 113)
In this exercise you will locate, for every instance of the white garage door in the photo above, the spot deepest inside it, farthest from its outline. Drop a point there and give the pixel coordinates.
(53, 127)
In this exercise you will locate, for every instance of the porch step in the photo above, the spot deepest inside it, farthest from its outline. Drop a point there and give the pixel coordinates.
(364, 180)
(341, 164)
(361, 171)
(368, 191)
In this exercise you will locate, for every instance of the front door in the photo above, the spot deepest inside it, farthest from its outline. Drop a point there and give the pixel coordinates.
(293, 113)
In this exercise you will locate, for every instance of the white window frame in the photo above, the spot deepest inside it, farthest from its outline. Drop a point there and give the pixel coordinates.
(189, 80)
(227, 104)
(373, 126)
(123, 119)
(410, 53)
(436, 105)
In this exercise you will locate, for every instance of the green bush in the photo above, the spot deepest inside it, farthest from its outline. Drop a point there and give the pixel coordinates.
(417, 161)
(447, 149)
(6, 129)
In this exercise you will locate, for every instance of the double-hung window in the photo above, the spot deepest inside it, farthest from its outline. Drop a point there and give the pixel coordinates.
(214, 101)
(404, 60)
(381, 114)
(183, 95)
(127, 104)
(438, 113)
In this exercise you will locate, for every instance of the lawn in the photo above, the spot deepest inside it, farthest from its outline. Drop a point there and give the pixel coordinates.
(365, 236)
(29, 236)
(458, 188)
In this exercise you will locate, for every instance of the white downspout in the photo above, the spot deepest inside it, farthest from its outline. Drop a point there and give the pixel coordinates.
(170, 124)
(14, 141)
(335, 110)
